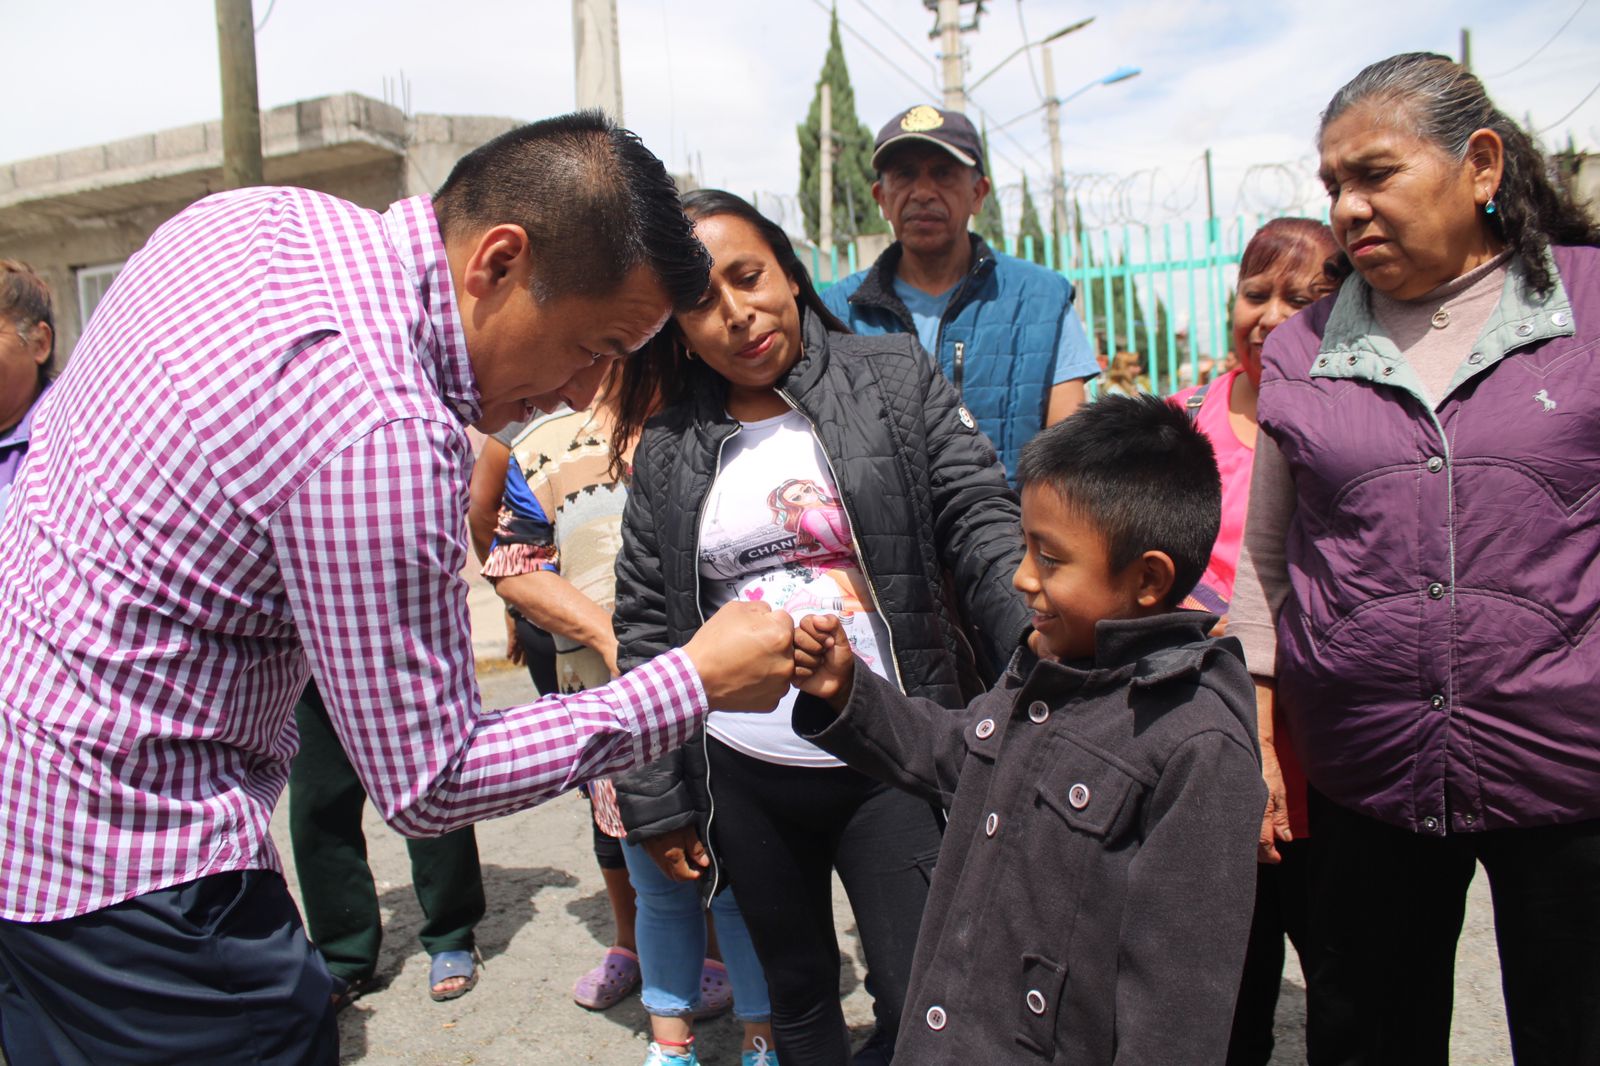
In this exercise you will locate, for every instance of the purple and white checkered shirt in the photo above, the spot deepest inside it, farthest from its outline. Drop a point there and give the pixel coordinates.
(256, 464)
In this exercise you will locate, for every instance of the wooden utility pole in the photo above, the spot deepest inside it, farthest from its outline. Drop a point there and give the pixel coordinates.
(1058, 182)
(949, 30)
(825, 181)
(597, 65)
(241, 109)
(1466, 48)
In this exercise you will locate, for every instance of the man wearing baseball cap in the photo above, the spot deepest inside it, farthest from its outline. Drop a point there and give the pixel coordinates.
(1002, 329)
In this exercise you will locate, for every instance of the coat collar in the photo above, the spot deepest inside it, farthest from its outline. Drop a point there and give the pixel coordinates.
(1354, 344)
(877, 288)
(1141, 652)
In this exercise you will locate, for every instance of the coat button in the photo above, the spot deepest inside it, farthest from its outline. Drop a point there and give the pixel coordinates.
(1475, 358)
(1038, 711)
(936, 1018)
(1323, 361)
(1441, 318)
(1035, 999)
(1352, 360)
(1431, 824)
(991, 824)
(1435, 464)
(1437, 702)
(1525, 330)
(1078, 796)
(985, 729)
(1559, 318)
(1469, 819)
(1388, 370)
(1436, 590)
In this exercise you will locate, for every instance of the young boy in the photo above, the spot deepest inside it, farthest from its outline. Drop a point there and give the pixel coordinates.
(1094, 890)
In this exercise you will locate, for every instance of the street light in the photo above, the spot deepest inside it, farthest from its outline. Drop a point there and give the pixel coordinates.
(1074, 28)
(1120, 74)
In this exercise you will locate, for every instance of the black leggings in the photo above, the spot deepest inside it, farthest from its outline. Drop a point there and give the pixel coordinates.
(781, 831)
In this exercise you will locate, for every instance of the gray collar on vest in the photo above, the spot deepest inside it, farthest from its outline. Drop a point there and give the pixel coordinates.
(1355, 346)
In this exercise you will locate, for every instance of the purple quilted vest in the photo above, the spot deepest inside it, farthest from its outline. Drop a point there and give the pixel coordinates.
(1438, 661)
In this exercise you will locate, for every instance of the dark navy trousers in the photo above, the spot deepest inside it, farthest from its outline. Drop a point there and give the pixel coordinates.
(217, 970)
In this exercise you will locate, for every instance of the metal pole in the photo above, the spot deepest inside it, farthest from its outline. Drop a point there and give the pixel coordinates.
(955, 93)
(241, 110)
(597, 57)
(825, 176)
(1058, 187)
(1466, 48)
(1211, 201)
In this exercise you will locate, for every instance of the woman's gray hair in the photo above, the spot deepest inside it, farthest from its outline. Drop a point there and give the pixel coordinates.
(1444, 103)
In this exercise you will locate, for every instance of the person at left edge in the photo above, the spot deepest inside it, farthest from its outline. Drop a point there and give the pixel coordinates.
(254, 472)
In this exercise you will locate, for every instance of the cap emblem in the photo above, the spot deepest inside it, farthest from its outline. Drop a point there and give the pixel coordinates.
(921, 118)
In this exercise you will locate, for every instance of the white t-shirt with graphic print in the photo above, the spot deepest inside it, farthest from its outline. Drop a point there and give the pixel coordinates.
(775, 531)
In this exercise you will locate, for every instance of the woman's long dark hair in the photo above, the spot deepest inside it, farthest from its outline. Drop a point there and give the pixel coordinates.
(1446, 104)
(660, 375)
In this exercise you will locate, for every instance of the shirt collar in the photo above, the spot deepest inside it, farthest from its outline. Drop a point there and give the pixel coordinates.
(415, 233)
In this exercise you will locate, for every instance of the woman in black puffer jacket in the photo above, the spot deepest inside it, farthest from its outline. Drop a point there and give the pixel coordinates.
(819, 471)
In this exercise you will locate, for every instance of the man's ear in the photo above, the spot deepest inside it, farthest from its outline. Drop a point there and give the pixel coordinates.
(1155, 577)
(500, 256)
(41, 338)
(980, 193)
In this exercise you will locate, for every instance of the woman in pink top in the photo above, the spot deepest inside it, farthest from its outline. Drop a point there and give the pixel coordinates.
(1285, 267)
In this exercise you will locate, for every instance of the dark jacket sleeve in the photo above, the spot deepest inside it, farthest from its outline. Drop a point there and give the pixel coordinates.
(977, 523)
(654, 798)
(1191, 889)
(905, 741)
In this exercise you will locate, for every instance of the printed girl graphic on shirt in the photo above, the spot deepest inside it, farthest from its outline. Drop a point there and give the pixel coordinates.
(814, 515)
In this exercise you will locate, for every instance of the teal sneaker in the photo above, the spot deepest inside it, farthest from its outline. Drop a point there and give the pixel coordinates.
(657, 1055)
(761, 1056)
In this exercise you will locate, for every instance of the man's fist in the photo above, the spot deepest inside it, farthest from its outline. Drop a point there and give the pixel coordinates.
(745, 657)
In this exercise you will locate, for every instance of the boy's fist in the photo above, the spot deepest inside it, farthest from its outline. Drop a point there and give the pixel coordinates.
(823, 663)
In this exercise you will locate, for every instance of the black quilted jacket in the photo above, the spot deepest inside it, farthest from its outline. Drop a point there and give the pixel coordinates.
(928, 503)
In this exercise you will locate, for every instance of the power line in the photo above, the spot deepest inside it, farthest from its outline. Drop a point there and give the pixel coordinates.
(891, 64)
(1574, 110)
(886, 24)
(268, 15)
(1553, 37)
(1028, 53)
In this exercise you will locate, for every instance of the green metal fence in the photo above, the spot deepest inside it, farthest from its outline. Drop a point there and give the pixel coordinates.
(1160, 291)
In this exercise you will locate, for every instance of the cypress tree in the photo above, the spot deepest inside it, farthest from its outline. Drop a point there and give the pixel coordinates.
(1029, 226)
(990, 223)
(854, 210)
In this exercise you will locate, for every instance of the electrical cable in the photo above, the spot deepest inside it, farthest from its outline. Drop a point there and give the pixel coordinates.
(1028, 52)
(886, 24)
(892, 65)
(268, 15)
(1553, 37)
(1574, 111)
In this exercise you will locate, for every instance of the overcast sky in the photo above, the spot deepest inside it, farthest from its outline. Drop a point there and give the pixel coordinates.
(718, 85)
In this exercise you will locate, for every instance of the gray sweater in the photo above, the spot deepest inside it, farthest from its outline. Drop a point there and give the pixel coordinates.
(1093, 895)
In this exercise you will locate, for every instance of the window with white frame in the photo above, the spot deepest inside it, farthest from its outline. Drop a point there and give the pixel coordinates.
(93, 283)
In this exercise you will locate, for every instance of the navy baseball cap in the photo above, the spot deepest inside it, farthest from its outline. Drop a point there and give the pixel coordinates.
(950, 130)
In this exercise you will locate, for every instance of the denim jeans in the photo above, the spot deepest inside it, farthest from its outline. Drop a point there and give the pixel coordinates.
(671, 934)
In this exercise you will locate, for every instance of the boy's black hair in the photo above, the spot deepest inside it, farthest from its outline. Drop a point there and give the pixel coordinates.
(1139, 469)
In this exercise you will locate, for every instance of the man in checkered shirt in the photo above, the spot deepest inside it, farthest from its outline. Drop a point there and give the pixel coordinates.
(254, 472)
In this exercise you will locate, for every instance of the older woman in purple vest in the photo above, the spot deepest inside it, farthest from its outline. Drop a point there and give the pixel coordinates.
(1420, 579)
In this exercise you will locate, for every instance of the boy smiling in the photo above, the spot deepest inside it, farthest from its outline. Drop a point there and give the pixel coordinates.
(1094, 889)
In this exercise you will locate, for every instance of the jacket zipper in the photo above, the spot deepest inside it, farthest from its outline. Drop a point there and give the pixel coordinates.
(844, 501)
(938, 341)
(700, 607)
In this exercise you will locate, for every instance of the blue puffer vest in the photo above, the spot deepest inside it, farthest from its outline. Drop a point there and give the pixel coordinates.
(1438, 653)
(997, 341)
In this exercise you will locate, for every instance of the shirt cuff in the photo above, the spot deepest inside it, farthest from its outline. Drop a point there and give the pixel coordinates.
(670, 702)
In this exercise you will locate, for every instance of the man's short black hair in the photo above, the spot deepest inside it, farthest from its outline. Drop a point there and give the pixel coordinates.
(593, 200)
(1139, 470)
